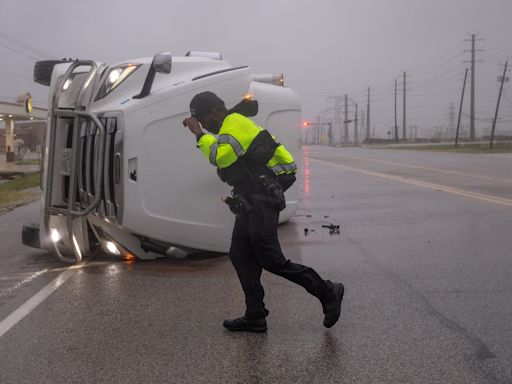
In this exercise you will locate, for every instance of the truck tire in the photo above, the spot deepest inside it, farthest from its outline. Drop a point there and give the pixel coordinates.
(43, 71)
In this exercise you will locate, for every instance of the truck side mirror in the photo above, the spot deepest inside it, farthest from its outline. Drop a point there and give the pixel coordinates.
(162, 63)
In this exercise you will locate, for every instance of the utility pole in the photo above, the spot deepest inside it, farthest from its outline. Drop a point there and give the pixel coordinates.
(363, 117)
(345, 121)
(498, 104)
(337, 114)
(405, 125)
(355, 127)
(368, 116)
(460, 108)
(451, 119)
(317, 135)
(472, 108)
(396, 125)
(320, 130)
(473, 85)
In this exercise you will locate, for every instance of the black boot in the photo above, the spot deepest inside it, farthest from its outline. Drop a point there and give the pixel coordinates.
(332, 307)
(241, 324)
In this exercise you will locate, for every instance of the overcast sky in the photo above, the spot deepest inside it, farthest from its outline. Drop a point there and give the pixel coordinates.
(324, 47)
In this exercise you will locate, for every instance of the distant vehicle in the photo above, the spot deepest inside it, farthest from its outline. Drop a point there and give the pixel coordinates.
(120, 170)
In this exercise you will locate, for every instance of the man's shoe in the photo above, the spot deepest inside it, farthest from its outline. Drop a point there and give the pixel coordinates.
(241, 324)
(332, 308)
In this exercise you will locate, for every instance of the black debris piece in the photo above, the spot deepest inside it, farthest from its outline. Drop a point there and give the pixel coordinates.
(308, 231)
(333, 229)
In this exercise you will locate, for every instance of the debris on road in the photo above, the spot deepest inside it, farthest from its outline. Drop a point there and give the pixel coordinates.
(333, 229)
(307, 231)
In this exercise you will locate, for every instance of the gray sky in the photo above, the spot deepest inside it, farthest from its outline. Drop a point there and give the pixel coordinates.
(324, 47)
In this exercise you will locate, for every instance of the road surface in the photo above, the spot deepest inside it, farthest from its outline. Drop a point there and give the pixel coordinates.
(425, 253)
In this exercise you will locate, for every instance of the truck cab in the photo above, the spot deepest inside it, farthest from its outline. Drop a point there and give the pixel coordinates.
(120, 170)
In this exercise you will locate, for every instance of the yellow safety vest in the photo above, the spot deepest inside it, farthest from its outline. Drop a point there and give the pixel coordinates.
(234, 139)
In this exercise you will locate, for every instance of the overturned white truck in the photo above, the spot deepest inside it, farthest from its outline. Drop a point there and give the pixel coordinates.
(120, 170)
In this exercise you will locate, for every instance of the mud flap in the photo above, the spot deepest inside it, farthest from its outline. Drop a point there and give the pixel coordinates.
(30, 235)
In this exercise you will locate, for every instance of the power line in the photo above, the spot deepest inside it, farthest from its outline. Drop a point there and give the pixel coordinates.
(508, 43)
(487, 120)
(16, 76)
(443, 56)
(19, 52)
(499, 33)
(441, 81)
(439, 66)
(25, 46)
(497, 56)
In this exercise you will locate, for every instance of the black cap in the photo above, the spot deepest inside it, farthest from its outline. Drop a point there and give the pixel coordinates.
(202, 103)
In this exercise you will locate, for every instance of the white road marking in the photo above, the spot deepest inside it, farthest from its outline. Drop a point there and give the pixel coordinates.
(424, 184)
(449, 172)
(15, 317)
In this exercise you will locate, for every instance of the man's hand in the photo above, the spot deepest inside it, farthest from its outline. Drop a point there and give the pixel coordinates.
(193, 125)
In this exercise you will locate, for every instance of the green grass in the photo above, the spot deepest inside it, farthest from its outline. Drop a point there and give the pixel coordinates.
(462, 148)
(29, 162)
(14, 191)
(29, 180)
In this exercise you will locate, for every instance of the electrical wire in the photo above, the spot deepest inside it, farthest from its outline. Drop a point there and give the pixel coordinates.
(438, 67)
(499, 33)
(19, 52)
(25, 46)
(503, 55)
(508, 43)
(440, 81)
(15, 76)
(441, 57)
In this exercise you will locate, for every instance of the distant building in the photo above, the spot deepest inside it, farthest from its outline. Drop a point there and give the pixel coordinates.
(23, 126)
(31, 132)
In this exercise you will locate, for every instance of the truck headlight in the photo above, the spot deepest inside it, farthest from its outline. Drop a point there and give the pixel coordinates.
(115, 76)
(66, 84)
(55, 235)
(112, 248)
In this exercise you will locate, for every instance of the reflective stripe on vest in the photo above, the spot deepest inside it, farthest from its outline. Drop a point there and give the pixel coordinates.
(225, 139)
(282, 161)
(235, 144)
(213, 154)
(284, 168)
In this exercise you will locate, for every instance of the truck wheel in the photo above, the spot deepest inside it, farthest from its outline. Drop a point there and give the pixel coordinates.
(43, 71)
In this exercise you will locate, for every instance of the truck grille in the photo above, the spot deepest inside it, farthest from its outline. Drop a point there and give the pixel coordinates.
(111, 190)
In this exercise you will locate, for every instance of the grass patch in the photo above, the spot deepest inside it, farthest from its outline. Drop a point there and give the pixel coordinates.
(461, 148)
(14, 191)
(29, 162)
(29, 180)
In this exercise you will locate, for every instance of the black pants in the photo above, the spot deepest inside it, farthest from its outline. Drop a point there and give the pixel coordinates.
(255, 246)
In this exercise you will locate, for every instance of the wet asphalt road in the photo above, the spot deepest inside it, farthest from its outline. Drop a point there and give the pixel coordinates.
(425, 253)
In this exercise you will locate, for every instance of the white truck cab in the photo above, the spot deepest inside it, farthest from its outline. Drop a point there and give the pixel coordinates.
(121, 171)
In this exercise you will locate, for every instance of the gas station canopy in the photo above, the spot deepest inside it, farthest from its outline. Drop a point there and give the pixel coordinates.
(22, 110)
